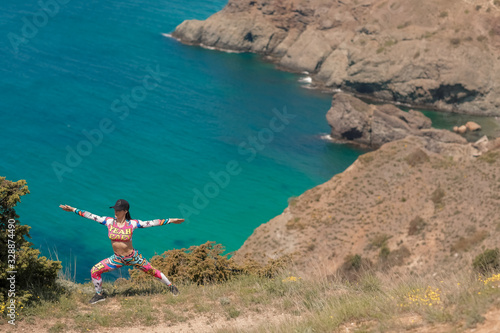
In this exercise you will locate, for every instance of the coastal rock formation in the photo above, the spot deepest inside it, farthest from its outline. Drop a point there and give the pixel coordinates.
(483, 145)
(352, 120)
(469, 126)
(462, 129)
(472, 126)
(441, 54)
(411, 205)
(402, 207)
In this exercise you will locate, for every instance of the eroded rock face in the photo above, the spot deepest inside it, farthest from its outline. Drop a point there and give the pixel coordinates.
(442, 54)
(352, 120)
(472, 126)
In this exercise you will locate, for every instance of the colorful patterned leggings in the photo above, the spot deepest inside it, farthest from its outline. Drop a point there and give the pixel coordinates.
(116, 261)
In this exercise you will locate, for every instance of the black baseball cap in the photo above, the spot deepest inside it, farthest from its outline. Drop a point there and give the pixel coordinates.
(121, 204)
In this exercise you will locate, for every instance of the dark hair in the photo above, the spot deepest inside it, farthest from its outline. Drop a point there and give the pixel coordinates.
(127, 216)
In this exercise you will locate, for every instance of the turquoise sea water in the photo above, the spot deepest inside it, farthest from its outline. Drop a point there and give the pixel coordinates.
(97, 105)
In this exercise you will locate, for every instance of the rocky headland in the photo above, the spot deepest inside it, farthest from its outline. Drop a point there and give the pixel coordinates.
(437, 54)
(426, 199)
(353, 121)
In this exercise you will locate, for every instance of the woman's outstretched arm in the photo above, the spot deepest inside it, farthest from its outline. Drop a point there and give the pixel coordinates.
(157, 222)
(99, 219)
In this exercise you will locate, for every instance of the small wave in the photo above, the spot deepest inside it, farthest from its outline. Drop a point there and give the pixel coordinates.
(208, 47)
(204, 46)
(306, 79)
(326, 137)
(219, 49)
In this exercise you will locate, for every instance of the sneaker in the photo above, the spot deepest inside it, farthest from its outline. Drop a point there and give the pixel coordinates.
(173, 289)
(97, 298)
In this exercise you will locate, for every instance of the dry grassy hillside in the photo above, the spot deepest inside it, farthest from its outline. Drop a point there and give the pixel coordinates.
(402, 207)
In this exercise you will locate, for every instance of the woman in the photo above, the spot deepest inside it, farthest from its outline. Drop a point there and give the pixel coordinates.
(120, 229)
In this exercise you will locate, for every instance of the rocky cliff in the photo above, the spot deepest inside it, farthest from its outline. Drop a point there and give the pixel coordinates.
(368, 125)
(441, 54)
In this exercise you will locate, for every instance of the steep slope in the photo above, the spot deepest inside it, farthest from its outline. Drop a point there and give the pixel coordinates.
(441, 54)
(402, 207)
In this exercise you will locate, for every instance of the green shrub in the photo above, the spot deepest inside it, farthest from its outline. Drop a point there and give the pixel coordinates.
(489, 157)
(354, 267)
(437, 197)
(206, 264)
(379, 240)
(354, 262)
(487, 261)
(271, 269)
(199, 264)
(384, 252)
(417, 225)
(35, 276)
(481, 38)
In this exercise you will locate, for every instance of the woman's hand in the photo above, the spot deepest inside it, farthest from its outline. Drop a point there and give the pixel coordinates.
(176, 221)
(67, 208)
